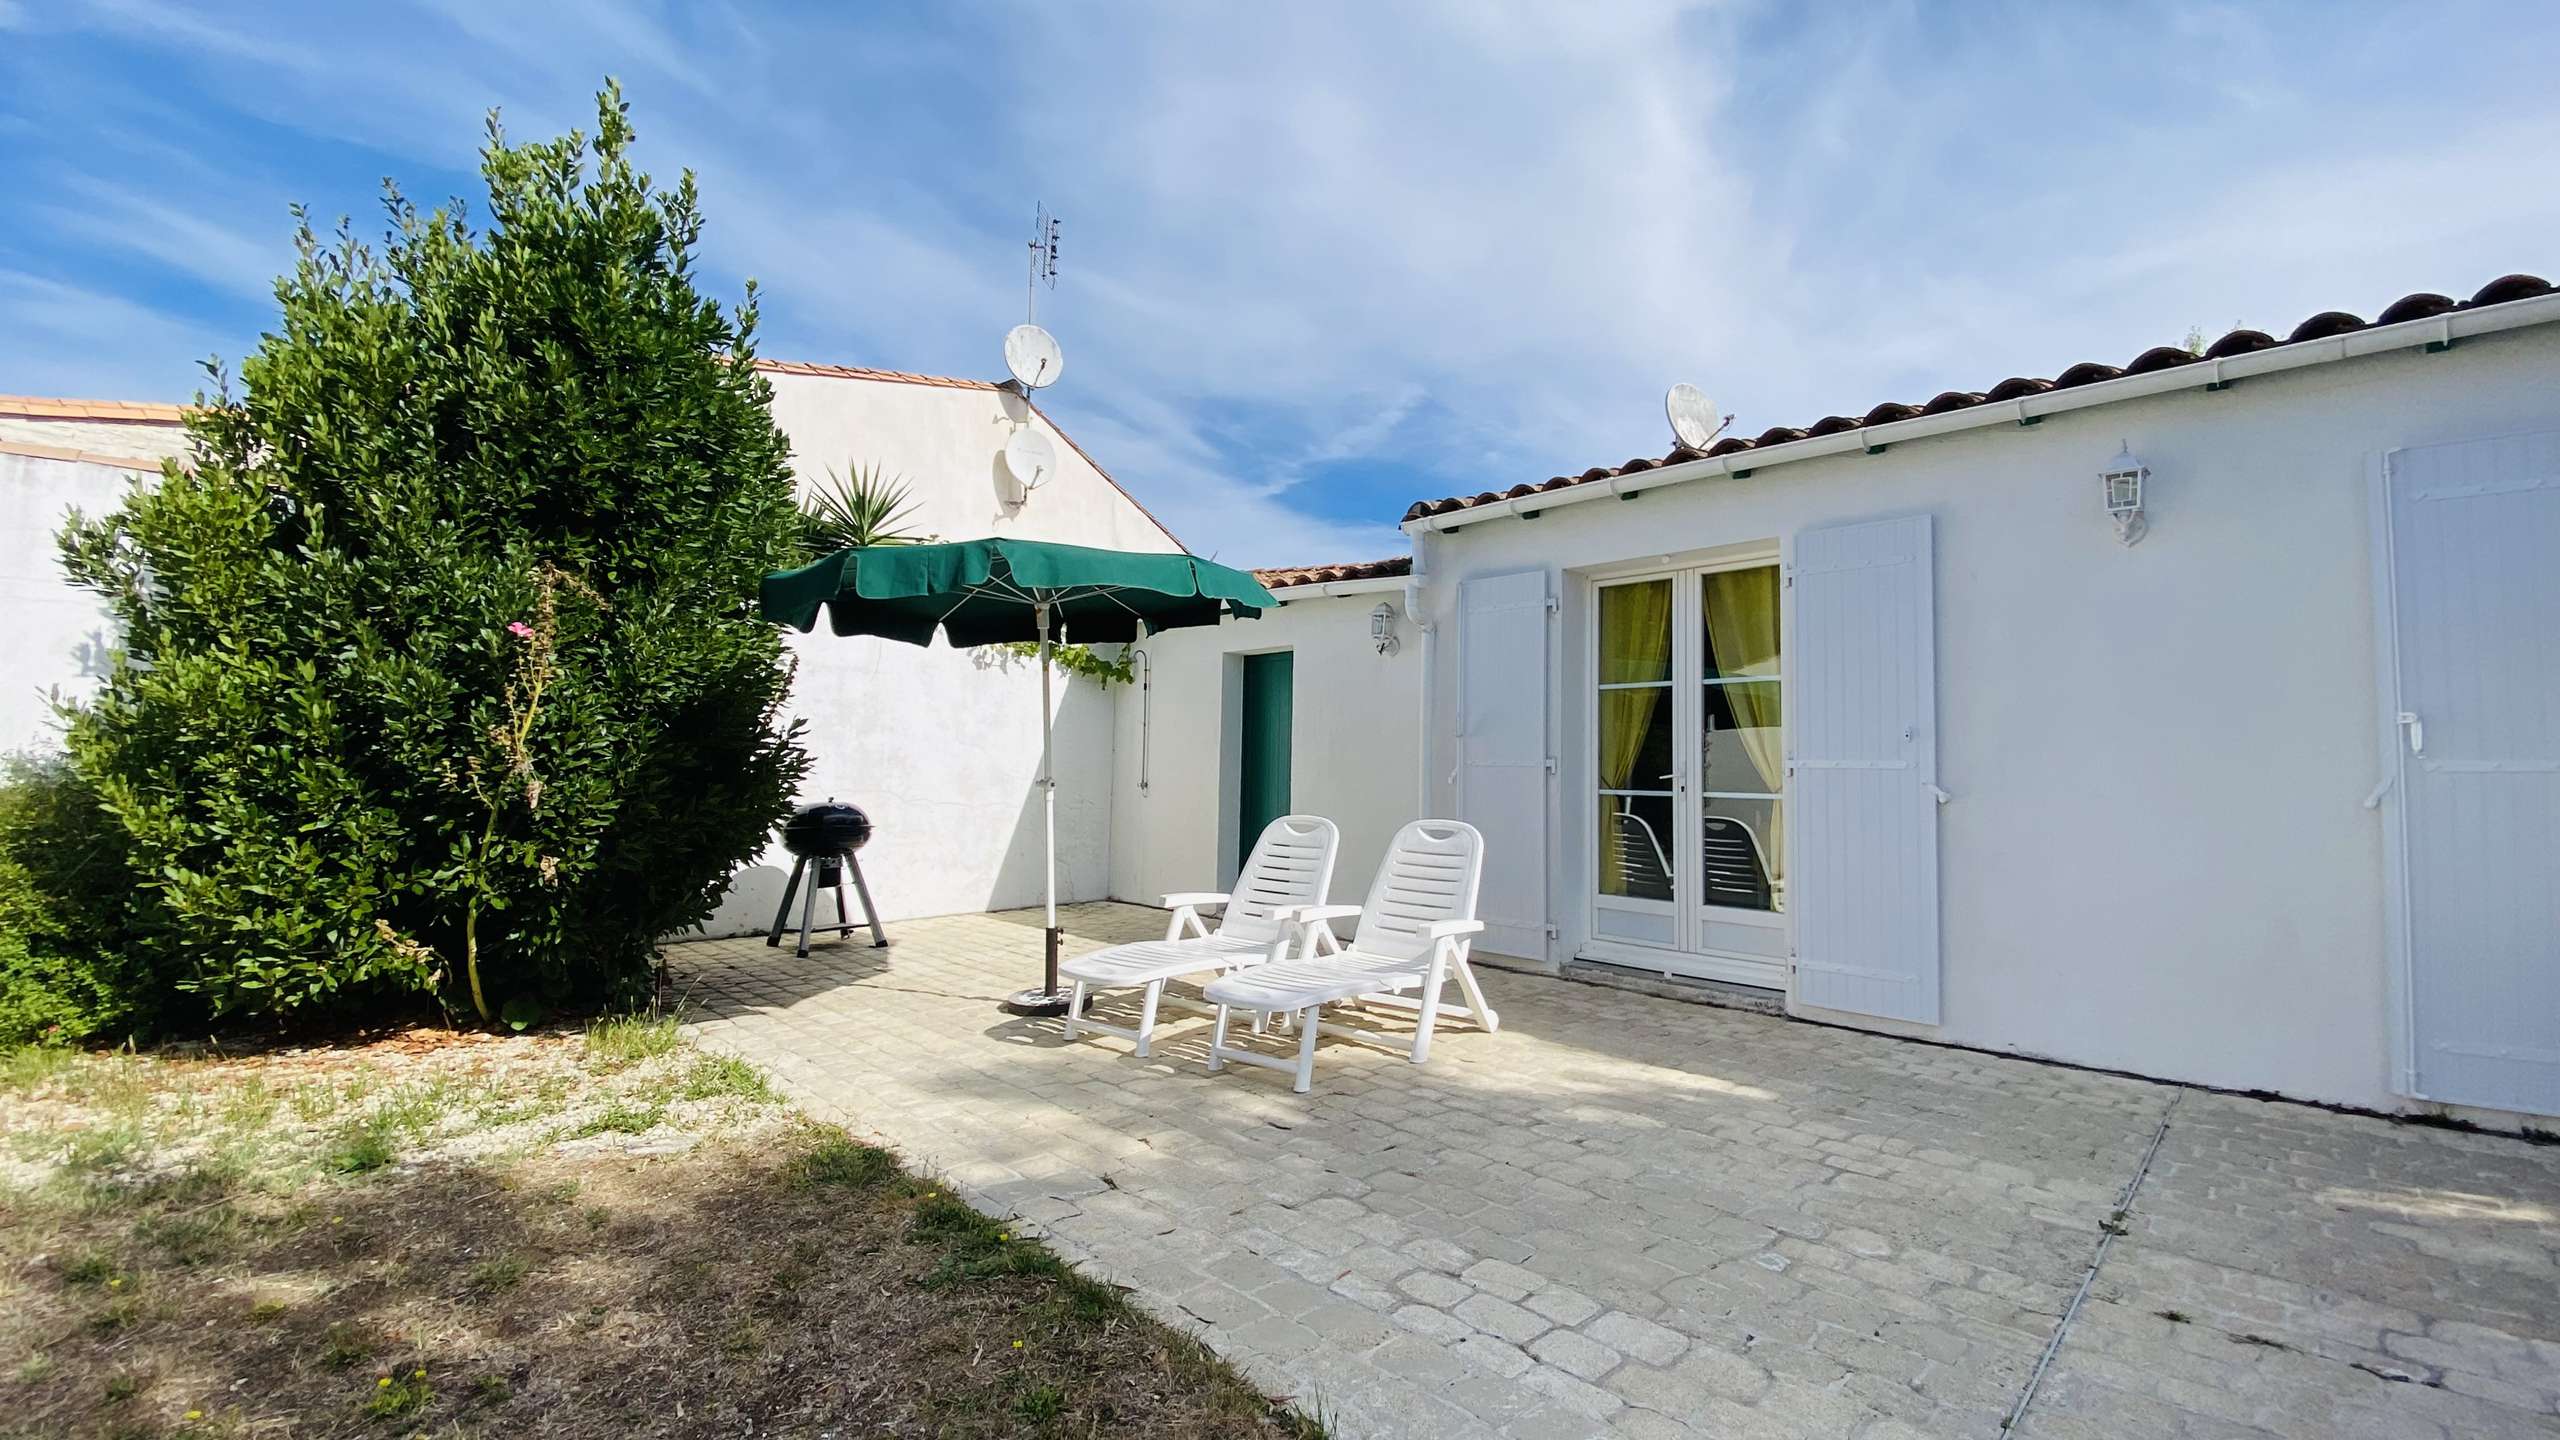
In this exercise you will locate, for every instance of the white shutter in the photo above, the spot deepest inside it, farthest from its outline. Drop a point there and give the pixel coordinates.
(1862, 793)
(1502, 753)
(2475, 728)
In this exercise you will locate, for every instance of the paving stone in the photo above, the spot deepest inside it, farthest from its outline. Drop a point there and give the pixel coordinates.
(1433, 1288)
(1502, 1279)
(1786, 1230)
(1564, 1307)
(1443, 1255)
(1572, 1391)
(1425, 1362)
(1638, 1337)
(1500, 1317)
(1485, 1352)
(1438, 1324)
(1578, 1355)
(1273, 1335)
(1366, 1293)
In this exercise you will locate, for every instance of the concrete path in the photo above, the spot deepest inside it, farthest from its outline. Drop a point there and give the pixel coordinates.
(1635, 1217)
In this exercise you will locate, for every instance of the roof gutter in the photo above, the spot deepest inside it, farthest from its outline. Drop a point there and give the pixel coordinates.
(1375, 584)
(2436, 332)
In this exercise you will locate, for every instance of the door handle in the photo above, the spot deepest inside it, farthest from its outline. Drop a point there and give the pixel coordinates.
(2416, 729)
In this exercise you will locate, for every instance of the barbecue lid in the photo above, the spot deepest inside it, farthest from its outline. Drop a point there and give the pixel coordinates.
(830, 827)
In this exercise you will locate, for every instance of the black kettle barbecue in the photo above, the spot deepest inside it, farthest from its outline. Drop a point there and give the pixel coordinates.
(822, 839)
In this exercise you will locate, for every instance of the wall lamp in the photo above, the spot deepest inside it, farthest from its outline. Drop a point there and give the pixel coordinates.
(2122, 480)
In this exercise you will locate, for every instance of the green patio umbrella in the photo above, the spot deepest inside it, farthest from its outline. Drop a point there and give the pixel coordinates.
(993, 592)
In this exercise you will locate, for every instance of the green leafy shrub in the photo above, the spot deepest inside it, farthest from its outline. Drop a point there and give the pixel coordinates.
(66, 884)
(443, 672)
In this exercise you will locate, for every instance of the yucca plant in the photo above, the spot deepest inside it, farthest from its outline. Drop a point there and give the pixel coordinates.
(865, 507)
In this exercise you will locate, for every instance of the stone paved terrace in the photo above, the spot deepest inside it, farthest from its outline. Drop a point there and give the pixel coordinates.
(1636, 1217)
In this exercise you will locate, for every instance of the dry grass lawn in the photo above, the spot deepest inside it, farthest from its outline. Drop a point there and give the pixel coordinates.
(559, 1235)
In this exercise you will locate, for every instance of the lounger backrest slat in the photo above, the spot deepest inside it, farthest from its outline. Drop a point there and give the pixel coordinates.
(1291, 865)
(1429, 875)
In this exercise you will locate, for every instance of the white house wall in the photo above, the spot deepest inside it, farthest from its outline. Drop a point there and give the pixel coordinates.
(55, 640)
(2157, 855)
(947, 441)
(939, 746)
(1352, 744)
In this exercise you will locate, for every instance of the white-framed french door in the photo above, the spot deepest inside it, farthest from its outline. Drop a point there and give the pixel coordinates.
(1685, 781)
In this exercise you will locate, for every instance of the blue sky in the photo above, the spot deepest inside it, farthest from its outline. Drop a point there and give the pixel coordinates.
(1321, 260)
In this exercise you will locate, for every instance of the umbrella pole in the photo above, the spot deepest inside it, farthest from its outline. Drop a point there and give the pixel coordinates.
(1046, 1000)
(1048, 813)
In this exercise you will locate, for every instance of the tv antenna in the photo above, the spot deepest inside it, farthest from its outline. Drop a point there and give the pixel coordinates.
(1031, 353)
(1044, 260)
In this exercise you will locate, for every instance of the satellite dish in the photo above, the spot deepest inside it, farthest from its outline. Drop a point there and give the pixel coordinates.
(1694, 420)
(1030, 458)
(1031, 353)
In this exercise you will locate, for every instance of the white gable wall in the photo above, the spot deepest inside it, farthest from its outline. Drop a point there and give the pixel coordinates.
(2157, 856)
(56, 636)
(940, 746)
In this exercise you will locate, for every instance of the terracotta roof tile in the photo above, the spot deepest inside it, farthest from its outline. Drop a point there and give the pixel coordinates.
(856, 372)
(2423, 305)
(1290, 576)
(128, 412)
(2240, 342)
(2510, 287)
(2324, 325)
(2162, 357)
(34, 451)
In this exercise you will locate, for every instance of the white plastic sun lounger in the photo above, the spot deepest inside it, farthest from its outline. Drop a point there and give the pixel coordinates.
(1291, 868)
(1414, 933)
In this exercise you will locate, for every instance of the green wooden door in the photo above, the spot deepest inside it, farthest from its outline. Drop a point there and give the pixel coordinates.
(1262, 780)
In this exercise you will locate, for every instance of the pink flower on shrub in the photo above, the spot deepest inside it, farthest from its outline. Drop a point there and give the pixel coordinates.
(520, 630)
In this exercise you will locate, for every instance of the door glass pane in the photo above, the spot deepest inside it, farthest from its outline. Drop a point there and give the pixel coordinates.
(1742, 846)
(1742, 622)
(1740, 745)
(1635, 846)
(1634, 738)
(1635, 632)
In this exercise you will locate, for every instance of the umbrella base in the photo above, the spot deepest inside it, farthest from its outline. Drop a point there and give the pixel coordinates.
(1036, 1002)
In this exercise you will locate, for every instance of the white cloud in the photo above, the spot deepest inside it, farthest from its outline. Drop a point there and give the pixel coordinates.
(64, 339)
(1472, 242)
(181, 237)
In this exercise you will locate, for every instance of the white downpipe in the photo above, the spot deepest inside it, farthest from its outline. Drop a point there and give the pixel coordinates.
(1146, 711)
(2437, 330)
(1414, 611)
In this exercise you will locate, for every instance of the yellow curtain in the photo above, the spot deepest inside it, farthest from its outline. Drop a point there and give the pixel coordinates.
(1742, 631)
(1635, 644)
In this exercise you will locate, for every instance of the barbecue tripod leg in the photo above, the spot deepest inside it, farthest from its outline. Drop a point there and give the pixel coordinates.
(782, 912)
(808, 912)
(879, 938)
